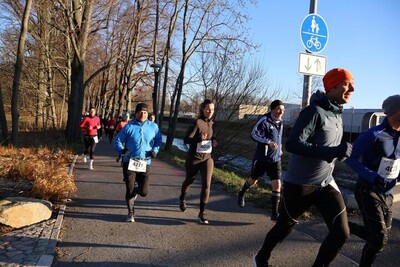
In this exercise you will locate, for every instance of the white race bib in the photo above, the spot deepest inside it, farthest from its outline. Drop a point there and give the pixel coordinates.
(389, 168)
(204, 147)
(137, 165)
(96, 139)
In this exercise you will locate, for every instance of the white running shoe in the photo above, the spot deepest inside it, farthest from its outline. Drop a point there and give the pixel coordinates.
(84, 159)
(202, 218)
(131, 217)
(91, 165)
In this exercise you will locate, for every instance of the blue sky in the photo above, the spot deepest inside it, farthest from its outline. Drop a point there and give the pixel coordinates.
(364, 37)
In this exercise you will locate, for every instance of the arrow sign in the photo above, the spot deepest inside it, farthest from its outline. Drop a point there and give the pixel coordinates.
(311, 64)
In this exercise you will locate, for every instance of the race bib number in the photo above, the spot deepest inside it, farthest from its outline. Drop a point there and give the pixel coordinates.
(204, 147)
(112, 127)
(96, 139)
(137, 165)
(389, 168)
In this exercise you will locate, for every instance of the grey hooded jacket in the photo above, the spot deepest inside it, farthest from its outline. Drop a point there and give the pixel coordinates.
(313, 142)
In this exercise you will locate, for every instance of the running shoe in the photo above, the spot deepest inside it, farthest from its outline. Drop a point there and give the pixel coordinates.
(131, 217)
(84, 159)
(182, 205)
(257, 262)
(202, 218)
(241, 201)
(274, 216)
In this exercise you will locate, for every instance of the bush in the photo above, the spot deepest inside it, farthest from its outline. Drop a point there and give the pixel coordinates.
(44, 168)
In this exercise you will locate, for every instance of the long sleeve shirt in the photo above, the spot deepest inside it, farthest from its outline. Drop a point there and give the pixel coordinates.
(90, 125)
(378, 142)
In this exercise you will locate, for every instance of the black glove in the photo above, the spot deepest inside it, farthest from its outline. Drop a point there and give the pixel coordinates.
(380, 182)
(125, 151)
(344, 150)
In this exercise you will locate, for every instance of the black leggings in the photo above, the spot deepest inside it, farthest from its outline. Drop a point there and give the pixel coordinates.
(140, 179)
(206, 169)
(296, 200)
(90, 145)
(377, 216)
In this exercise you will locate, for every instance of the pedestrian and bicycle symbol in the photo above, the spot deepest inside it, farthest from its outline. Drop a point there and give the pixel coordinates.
(314, 33)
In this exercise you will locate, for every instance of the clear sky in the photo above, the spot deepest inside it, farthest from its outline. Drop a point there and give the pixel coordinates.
(364, 37)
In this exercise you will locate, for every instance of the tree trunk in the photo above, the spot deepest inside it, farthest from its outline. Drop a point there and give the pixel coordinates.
(75, 101)
(173, 118)
(3, 120)
(17, 73)
(79, 22)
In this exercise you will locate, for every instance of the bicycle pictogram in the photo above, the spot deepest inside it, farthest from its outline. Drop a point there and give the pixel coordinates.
(313, 41)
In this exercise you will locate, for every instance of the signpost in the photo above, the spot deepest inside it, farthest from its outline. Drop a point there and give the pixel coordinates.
(314, 33)
(314, 37)
(310, 64)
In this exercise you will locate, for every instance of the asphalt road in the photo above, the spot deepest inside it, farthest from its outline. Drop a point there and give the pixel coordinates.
(94, 231)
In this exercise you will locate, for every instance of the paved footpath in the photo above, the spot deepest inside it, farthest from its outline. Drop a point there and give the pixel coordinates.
(94, 232)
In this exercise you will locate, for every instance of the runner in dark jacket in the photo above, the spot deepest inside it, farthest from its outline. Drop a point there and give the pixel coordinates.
(376, 159)
(315, 144)
(267, 132)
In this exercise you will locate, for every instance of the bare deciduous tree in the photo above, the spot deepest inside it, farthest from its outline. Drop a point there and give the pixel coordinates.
(17, 73)
(202, 22)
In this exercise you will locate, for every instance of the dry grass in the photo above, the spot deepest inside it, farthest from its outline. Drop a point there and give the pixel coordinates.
(42, 167)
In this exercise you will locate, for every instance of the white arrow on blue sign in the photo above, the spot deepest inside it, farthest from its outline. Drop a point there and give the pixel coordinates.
(314, 33)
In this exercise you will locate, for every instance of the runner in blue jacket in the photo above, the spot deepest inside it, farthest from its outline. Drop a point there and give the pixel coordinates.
(142, 139)
(376, 160)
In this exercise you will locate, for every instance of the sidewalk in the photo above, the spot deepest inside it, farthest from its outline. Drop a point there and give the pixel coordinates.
(92, 231)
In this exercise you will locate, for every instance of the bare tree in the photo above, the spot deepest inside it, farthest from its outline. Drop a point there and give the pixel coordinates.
(17, 73)
(3, 121)
(202, 22)
(173, 16)
(79, 15)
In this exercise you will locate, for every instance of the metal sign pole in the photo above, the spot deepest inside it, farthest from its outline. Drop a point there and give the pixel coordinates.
(307, 82)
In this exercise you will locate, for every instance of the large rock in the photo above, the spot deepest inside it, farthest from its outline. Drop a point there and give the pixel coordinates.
(18, 212)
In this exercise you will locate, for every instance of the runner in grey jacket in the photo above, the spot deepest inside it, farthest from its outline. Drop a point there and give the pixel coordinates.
(314, 143)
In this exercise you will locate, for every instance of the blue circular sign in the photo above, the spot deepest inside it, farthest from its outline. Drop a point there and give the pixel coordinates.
(314, 33)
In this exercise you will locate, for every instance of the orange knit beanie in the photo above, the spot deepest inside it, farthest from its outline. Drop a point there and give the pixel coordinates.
(335, 77)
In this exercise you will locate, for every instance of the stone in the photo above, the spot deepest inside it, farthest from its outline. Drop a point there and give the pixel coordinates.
(18, 212)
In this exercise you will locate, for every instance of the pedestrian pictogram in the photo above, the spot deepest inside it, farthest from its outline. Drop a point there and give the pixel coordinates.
(314, 33)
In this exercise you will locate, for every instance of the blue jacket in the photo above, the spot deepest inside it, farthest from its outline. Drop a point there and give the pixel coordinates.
(265, 131)
(140, 138)
(313, 142)
(368, 150)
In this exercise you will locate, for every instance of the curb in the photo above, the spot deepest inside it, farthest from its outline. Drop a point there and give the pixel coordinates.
(47, 259)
